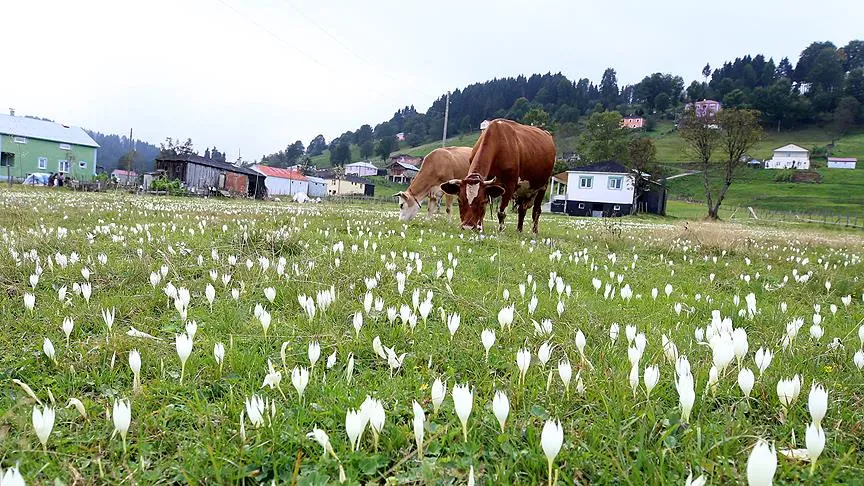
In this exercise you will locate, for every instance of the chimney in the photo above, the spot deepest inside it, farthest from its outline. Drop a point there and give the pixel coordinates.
(11, 111)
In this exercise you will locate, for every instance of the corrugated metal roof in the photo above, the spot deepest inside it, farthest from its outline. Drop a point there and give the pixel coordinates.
(279, 172)
(197, 159)
(608, 166)
(366, 165)
(316, 180)
(22, 126)
(842, 159)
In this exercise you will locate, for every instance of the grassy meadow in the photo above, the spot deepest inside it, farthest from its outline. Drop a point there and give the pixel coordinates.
(584, 276)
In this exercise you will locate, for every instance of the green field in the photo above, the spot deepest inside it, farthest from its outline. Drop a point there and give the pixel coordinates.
(191, 424)
(840, 192)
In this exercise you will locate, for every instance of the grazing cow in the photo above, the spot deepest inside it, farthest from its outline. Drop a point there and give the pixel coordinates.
(439, 166)
(510, 160)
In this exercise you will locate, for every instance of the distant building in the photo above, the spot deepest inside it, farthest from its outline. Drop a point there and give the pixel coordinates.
(282, 182)
(403, 168)
(789, 157)
(842, 162)
(632, 122)
(705, 107)
(125, 177)
(347, 185)
(484, 125)
(206, 176)
(361, 169)
(400, 136)
(317, 186)
(28, 145)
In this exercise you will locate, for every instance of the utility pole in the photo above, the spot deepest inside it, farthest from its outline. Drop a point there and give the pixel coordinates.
(446, 116)
(129, 158)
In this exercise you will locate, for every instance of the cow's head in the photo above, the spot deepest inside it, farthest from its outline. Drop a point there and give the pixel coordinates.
(408, 206)
(474, 194)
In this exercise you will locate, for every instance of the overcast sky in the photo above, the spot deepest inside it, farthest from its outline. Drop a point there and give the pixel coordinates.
(255, 75)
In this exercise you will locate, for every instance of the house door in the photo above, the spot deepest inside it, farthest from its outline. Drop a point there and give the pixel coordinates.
(596, 214)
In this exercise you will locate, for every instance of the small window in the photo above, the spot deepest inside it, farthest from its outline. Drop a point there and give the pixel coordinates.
(581, 206)
(19, 139)
(65, 146)
(616, 208)
(43, 163)
(62, 166)
(82, 164)
(586, 182)
(615, 183)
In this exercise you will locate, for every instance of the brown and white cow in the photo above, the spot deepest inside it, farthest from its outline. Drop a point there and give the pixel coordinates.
(510, 160)
(439, 166)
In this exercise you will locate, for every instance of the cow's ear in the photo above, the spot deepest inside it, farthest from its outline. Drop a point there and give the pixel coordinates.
(400, 195)
(494, 190)
(451, 186)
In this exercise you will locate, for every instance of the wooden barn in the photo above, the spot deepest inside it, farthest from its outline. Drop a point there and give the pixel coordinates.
(206, 176)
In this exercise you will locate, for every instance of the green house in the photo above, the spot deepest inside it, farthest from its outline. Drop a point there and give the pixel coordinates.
(29, 146)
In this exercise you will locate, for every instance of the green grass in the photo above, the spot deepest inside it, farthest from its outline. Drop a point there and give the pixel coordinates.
(384, 188)
(840, 192)
(190, 432)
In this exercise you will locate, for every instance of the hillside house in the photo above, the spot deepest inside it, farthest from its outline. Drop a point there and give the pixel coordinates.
(632, 122)
(282, 182)
(347, 185)
(842, 162)
(403, 168)
(125, 177)
(484, 125)
(789, 156)
(606, 189)
(206, 176)
(28, 145)
(362, 169)
(705, 107)
(400, 136)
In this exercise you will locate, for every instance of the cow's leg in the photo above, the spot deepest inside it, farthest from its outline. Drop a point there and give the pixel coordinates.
(522, 208)
(433, 204)
(448, 199)
(535, 213)
(505, 200)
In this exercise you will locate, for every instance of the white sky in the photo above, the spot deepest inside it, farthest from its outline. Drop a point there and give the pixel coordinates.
(255, 75)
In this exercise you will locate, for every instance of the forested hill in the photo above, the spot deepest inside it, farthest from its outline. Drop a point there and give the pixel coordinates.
(824, 87)
(113, 148)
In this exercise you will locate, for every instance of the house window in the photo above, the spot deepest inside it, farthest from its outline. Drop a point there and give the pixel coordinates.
(82, 164)
(65, 146)
(62, 166)
(581, 205)
(616, 183)
(586, 182)
(19, 139)
(616, 208)
(43, 163)
(7, 159)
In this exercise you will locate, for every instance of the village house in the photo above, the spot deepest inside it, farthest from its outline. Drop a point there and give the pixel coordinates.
(632, 122)
(842, 162)
(282, 182)
(317, 186)
(206, 176)
(361, 169)
(125, 177)
(789, 156)
(28, 146)
(403, 168)
(705, 107)
(604, 189)
(484, 125)
(347, 185)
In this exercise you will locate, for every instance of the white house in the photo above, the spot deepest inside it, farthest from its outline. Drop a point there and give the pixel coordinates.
(361, 169)
(282, 182)
(484, 125)
(601, 189)
(842, 162)
(789, 157)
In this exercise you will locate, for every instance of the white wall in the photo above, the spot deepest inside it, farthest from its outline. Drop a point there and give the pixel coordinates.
(360, 171)
(276, 186)
(841, 165)
(599, 191)
(789, 160)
